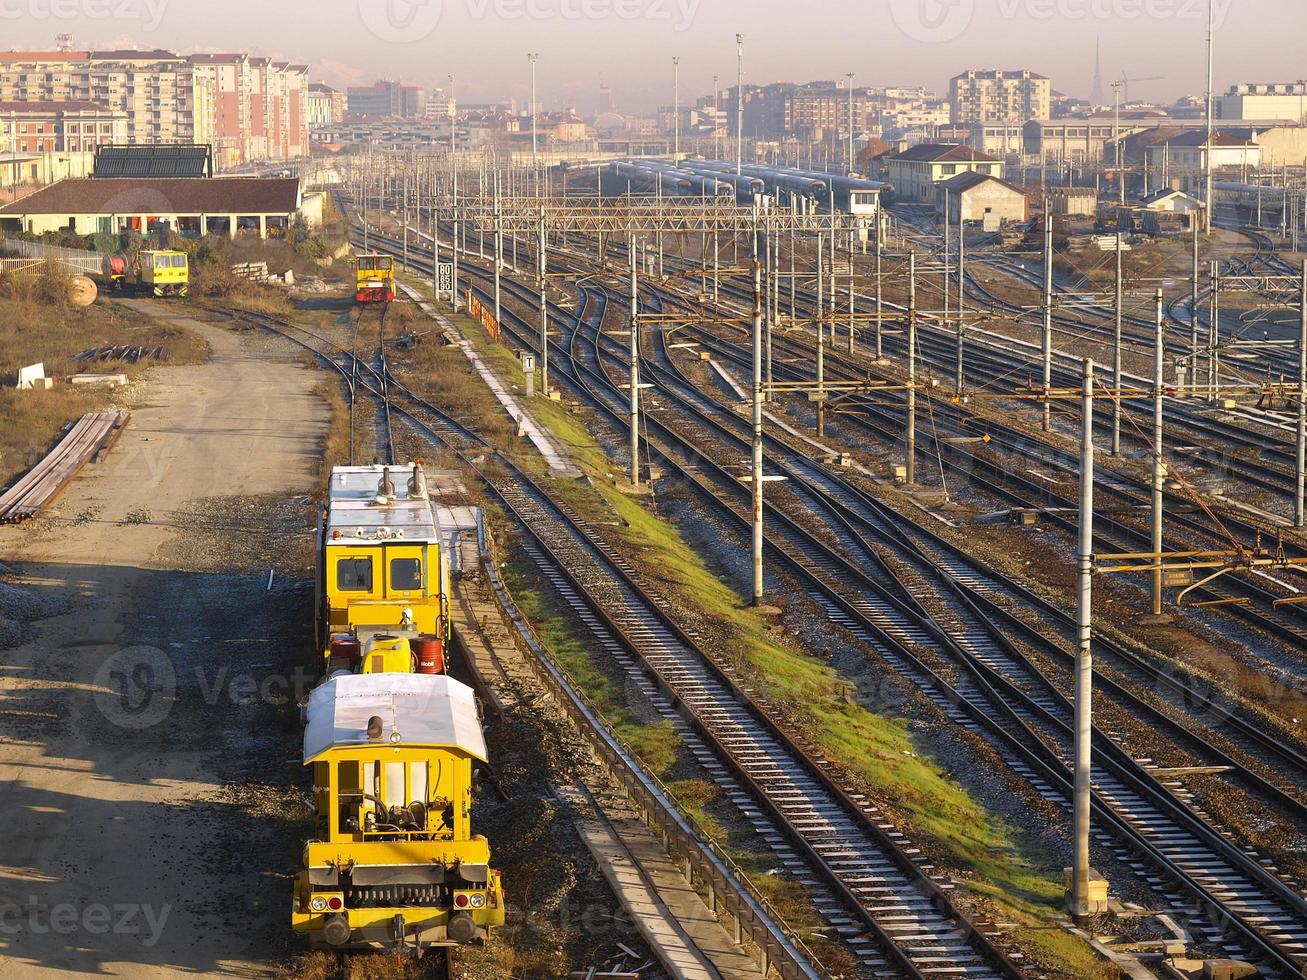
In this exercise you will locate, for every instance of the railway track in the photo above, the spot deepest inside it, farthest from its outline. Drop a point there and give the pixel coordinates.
(1248, 904)
(867, 886)
(1212, 872)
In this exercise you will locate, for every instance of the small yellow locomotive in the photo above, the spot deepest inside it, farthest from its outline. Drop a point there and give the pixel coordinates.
(383, 577)
(393, 859)
(374, 279)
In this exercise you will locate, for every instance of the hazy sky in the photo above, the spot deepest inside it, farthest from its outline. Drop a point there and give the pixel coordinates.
(630, 43)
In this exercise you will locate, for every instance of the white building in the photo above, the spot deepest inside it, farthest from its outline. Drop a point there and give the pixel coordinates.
(976, 197)
(915, 172)
(1287, 102)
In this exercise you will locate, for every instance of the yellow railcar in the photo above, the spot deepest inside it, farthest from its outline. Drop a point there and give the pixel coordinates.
(393, 859)
(159, 273)
(383, 576)
(374, 279)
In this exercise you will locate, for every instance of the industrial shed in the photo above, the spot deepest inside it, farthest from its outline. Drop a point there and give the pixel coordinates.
(1074, 202)
(190, 207)
(974, 196)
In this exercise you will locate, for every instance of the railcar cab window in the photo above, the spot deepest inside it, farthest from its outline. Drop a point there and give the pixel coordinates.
(405, 574)
(375, 263)
(354, 575)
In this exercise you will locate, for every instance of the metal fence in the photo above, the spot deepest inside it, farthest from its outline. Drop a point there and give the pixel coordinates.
(31, 254)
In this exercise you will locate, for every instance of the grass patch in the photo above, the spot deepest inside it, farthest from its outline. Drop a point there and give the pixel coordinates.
(999, 863)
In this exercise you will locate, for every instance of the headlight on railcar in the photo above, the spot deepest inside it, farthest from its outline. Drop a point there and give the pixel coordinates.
(319, 903)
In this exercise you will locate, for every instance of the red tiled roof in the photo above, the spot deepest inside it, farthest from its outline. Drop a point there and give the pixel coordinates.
(170, 195)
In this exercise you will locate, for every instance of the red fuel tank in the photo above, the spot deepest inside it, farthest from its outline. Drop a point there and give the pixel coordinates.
(430, 654)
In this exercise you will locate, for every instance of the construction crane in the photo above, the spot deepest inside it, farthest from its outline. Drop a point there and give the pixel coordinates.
(1123, 84)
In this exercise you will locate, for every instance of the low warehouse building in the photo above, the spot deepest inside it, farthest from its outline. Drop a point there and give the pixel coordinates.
(979, 197)
(190, 207)
(1074, 202)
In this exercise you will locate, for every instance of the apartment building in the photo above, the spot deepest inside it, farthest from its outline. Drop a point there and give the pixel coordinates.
(326, 105)
(260, 107)
(997, 96)
(59, 127)
(163, 99)
(249, 108)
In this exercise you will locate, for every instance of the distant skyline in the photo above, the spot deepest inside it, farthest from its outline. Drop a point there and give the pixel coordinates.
(629, 44)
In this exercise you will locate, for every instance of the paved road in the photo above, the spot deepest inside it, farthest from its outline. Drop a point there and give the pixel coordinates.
(138, 768)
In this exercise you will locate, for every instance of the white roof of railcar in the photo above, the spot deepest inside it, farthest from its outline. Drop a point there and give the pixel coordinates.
(353, 511)
(426, 709)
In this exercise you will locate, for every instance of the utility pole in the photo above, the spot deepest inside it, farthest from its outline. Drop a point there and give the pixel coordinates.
(910, 464)
(1300, 483)
(1116, 353)
(454, 243)
(1048, 314)
(739, 105)
(531, 57)
(544, 311)
(1193, 310)
(1207, 152)
(676, 110)
(821, 339)
(850, 75)
(1214, 333)
(880, 305)
(1159, 464)
(1084, 668)
(961, 290)
(716, 117)
(947, 225)
(757, 413)
(635, 367)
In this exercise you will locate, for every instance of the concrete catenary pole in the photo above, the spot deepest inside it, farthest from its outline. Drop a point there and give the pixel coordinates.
(1300, 482)
(821, 338)
(544, 310)
(880, 304)
(1159, 463)
(1193, 309)
(534, 138)
(1116, 352)
(1084, 669)
(757, 414)
(1047, 346)
(962, 278)
(739, 105)
(850, 76)
(635, 366)
(910, 463)
(1207, 153)
(676, 110)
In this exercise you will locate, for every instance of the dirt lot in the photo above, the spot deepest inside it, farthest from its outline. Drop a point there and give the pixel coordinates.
(148, 745)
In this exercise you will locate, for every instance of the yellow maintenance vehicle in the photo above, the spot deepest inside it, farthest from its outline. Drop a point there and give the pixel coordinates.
(393, 862)
(383, 576)
(161, 273)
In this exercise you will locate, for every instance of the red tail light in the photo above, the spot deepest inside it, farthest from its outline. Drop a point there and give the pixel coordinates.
(334, 904)
(460, 901)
